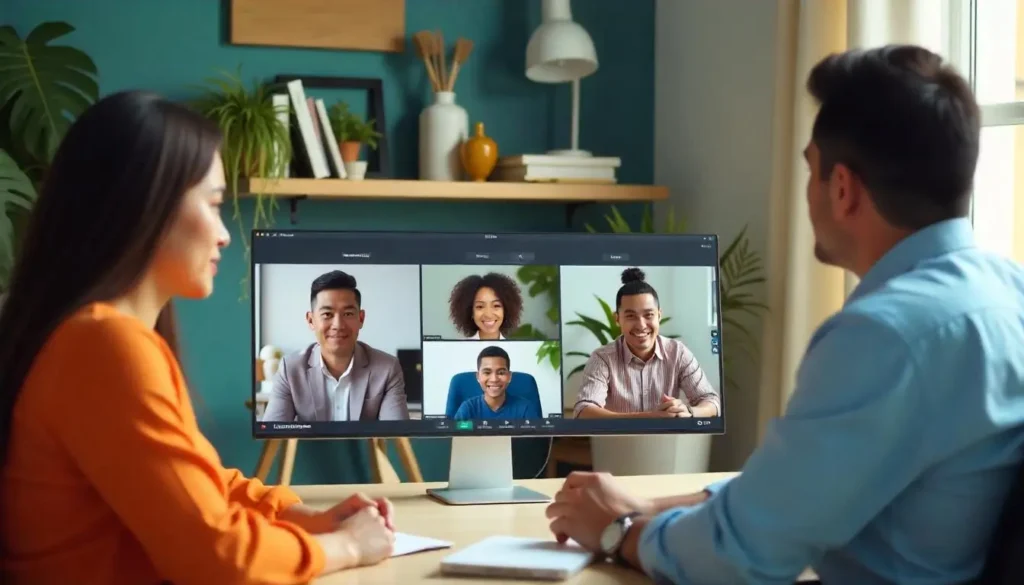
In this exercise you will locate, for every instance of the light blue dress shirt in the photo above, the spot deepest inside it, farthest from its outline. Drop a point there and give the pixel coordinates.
(899, 443)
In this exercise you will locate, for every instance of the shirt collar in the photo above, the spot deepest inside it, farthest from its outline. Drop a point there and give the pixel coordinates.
(326, 372)
(931, 242)
(627, 356)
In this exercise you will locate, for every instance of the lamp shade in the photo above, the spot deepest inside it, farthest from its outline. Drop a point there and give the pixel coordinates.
(560, 50)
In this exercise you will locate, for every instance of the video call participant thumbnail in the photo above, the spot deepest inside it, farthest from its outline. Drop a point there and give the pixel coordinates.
(642, 374)
(486, 306)
(337, 378)
(493, 373)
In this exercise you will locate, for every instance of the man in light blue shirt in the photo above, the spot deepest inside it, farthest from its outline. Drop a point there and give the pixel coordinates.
(905, 430)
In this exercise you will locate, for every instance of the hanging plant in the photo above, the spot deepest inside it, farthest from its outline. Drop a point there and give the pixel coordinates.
(256, 143)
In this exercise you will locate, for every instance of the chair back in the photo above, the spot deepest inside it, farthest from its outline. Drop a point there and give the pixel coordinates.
(1005, 562)
(464, 386)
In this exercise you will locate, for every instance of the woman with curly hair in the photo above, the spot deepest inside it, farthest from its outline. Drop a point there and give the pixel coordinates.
(486, 307)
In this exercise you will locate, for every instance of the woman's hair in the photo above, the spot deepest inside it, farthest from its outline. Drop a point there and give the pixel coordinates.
(113, 190)
(633, 283)
(460, 304)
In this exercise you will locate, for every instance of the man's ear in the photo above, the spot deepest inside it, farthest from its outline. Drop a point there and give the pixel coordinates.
(309, 319)
(362, 316)
(845, 191)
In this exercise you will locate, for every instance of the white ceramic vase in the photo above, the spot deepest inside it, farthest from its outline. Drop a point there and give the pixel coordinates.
(444, 126)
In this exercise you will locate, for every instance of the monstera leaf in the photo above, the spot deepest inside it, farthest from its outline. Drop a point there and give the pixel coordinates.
(47, 86)
(16, 191)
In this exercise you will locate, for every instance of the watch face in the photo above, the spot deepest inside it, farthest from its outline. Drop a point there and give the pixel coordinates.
(611, 536)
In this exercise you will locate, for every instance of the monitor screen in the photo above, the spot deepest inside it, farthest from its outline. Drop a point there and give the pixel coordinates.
(372, 334)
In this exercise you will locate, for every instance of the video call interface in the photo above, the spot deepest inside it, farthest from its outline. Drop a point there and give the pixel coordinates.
(419, 334)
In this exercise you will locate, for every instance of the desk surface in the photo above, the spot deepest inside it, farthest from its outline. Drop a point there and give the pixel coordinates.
(417, 514)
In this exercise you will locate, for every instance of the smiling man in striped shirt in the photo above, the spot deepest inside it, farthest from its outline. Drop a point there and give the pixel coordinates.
(643, 374)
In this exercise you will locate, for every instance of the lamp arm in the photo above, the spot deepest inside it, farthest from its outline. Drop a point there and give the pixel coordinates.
(576, 114)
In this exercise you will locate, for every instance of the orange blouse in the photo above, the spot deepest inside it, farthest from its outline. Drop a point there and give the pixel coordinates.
(109, 479)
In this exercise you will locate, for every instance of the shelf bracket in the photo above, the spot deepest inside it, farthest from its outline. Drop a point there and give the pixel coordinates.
(570, 214)
(293, 208)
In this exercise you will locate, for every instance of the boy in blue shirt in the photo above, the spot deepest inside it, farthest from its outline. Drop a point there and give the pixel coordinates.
(493, 373)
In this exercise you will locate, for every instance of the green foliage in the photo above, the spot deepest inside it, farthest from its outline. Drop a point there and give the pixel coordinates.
(740, 268)
(617, 224)
(541, 280)
(43, 88)
(16, 191)
(256, 144)
(349, 128)
(47, 85)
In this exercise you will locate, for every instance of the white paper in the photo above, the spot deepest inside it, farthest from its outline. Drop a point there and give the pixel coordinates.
(406, 544)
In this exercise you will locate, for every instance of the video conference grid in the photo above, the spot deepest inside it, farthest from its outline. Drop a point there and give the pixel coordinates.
(619, 251)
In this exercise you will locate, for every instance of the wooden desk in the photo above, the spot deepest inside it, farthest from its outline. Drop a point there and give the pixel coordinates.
(417, 514)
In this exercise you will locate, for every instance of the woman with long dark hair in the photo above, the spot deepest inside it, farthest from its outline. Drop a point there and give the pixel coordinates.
(105, 476)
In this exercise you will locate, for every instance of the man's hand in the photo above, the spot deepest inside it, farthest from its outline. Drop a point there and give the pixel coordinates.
(587, 504)
(322, 521)
(674, 406)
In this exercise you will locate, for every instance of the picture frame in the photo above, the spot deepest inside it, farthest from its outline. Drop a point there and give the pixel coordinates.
(378, 161)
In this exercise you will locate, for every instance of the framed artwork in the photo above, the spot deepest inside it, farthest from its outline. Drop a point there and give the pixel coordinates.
(358, 25)
(378, 161)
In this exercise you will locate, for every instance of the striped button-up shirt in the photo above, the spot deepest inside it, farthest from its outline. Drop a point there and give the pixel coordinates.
(617, 380)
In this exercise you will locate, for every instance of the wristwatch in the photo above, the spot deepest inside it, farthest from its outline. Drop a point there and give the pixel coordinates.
(615, 534)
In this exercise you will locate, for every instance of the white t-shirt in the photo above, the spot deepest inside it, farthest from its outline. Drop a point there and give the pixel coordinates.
(477, 335)
(338, 390)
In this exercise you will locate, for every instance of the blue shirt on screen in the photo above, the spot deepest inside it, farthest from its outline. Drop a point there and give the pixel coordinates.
(899, 444)
(513, 408)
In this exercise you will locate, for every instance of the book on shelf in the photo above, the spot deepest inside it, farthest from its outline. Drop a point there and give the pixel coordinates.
(310, 154)
(555, 168)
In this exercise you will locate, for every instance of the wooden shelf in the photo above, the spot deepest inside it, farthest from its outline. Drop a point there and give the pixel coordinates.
(387, 189)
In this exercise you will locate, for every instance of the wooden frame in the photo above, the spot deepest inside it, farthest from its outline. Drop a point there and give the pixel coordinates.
(379, 160)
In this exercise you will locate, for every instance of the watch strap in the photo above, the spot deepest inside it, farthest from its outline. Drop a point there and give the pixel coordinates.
(623, 521)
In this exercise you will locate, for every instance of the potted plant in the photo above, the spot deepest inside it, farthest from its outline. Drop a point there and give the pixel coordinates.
(352, 133)
(45, 88)
(256, 143)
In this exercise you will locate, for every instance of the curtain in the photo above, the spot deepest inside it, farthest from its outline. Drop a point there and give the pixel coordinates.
(802, 292)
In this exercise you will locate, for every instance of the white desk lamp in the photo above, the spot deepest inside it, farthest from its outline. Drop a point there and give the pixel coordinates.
(560, 50)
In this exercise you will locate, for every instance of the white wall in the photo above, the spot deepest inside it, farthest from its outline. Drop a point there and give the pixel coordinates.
(714, 100)
(444, 359)
(685, 295)
(390, 298)
(438, 282)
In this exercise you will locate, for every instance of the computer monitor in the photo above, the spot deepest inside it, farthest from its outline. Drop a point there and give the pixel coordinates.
(482, 337)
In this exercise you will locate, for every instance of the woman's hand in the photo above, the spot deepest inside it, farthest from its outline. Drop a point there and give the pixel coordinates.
(362, 539)
(323, 521)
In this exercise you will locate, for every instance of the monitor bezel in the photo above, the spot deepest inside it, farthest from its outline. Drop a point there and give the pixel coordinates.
(361, 431)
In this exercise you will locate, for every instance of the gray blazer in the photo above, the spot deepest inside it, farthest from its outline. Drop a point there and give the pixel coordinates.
(300, 394)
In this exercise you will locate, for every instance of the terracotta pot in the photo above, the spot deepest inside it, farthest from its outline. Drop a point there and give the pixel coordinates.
(479, 155)
(350, 150)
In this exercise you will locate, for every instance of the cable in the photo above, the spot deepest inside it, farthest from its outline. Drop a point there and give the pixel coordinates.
(551, 444)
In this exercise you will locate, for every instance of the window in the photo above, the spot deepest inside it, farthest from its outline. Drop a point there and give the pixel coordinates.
(993, 53)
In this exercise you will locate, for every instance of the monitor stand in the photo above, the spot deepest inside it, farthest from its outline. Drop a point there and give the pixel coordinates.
(481, 473)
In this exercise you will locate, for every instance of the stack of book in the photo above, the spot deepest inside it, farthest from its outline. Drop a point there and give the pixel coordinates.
(556, 169)
(314, 145)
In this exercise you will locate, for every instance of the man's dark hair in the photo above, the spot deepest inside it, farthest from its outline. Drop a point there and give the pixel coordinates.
(334, 280)
(493, 351)
(460, 303)
(905, 123)
(633, 283)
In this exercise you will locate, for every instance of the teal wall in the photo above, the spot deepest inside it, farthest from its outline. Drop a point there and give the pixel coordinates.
(170, 46)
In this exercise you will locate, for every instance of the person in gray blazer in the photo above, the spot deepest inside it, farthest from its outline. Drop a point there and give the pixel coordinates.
(338, 378)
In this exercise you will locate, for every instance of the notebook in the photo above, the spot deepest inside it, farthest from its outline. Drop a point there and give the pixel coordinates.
(515, 557)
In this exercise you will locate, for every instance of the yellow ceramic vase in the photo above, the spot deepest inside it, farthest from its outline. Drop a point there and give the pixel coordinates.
(479, 155)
